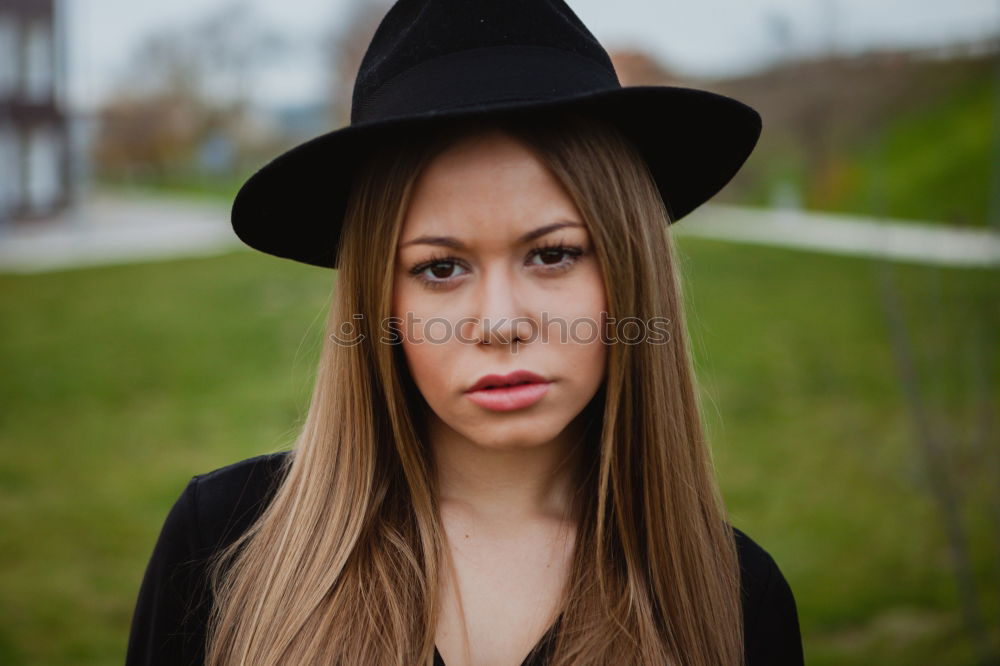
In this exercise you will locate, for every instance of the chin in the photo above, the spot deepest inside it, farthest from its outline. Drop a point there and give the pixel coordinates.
(527, 434)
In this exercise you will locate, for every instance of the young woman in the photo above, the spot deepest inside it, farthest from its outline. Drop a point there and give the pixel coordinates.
(503, 462)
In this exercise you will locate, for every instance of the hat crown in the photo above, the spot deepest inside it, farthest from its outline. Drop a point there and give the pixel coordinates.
(416, 31)
(434, 61)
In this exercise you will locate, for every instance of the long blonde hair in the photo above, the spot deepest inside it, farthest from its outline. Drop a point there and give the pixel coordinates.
(343, 565)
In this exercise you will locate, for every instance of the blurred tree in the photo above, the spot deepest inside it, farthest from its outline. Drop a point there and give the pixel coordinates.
(345, 46)
(185, 85)
(636, 67)
(948, 390)
(781, 35)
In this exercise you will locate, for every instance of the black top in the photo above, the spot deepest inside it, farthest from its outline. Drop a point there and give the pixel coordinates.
(171, 613)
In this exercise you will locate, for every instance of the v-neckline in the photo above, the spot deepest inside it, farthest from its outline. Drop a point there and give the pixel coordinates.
(533, 656)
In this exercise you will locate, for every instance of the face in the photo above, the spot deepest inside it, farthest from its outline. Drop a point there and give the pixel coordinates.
(491, 249)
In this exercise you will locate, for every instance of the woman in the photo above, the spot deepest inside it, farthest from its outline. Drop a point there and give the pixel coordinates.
(503, 460)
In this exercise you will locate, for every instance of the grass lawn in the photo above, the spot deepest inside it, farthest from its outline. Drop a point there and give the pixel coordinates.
(121, 382)
(928, 154)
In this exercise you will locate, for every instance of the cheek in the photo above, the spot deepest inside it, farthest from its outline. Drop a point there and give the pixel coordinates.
(425, 369)
(585, 355)
(426, 345)
(428, 339)
(406, 311)
(581, 303)
(584, 311)
(420, 365)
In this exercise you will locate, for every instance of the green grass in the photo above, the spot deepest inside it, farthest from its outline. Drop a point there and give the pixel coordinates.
(814, 446)
(930, 163)
(930, 159)
(121, 382)
(184, 184)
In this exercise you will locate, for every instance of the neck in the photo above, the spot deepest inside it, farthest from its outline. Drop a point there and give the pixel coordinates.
(504, 486)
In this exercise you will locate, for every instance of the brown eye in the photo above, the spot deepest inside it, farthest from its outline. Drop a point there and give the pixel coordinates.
(554, 255)
(442, 269)
(436, 273)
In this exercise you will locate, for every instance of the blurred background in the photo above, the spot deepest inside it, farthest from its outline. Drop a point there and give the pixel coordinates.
(842, 293)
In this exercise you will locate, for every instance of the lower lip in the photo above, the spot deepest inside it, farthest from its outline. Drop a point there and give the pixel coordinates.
(507, 399)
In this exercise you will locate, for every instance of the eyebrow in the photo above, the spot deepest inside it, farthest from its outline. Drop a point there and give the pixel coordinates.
(452, 242)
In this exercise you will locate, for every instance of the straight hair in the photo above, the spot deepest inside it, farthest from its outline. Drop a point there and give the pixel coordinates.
(343, 565)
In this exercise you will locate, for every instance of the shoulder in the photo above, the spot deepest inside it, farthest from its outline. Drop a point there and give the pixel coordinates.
(770, 616)
(171, 611)
(225, 501)
(757, 566)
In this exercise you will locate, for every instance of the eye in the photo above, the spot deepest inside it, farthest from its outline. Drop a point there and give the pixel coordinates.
(552, 256)
(438, 272)
(440, 269)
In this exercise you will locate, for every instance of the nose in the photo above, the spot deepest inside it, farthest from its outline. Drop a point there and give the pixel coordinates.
(498, 316)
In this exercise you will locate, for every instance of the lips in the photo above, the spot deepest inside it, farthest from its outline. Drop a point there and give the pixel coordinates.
(506, 393)
(488, 382)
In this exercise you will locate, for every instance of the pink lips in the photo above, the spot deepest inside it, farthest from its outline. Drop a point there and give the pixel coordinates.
(504, 393)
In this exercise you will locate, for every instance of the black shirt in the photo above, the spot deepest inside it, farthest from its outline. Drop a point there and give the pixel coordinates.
(171, 613)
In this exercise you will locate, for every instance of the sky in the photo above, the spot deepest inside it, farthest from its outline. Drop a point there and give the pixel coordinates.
(693, 37)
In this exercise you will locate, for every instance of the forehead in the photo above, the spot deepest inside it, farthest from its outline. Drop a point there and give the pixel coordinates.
(485, 183)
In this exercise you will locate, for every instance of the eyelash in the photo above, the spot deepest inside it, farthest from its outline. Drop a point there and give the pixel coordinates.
(573, 251)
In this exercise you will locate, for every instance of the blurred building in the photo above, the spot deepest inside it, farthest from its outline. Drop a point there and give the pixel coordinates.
(35, 160)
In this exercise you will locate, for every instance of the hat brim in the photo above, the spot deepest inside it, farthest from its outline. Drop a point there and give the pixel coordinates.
(693, 141)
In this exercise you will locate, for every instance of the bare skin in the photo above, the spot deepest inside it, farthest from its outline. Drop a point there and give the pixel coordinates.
(504, 477)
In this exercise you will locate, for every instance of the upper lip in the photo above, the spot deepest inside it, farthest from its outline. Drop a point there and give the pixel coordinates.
(516, 377)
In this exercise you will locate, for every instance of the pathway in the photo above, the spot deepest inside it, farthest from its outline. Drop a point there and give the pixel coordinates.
(113, 229)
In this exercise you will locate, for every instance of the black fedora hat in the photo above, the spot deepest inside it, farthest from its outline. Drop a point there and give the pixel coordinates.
(439, 59)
